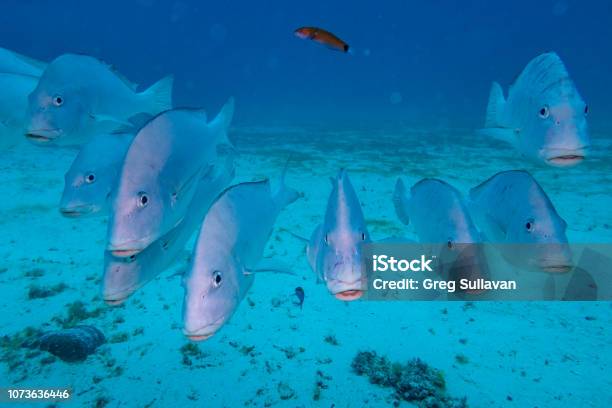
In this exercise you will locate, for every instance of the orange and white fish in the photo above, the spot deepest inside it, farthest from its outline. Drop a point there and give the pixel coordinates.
(323, 37)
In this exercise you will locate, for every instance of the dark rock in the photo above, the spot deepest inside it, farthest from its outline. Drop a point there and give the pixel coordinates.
(70, 345)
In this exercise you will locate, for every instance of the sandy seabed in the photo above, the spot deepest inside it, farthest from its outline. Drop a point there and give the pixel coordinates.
(506, 354)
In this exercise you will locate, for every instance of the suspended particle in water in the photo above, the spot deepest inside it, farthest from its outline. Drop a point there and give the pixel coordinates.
(217, 33)
(395, 98)
(560, 8)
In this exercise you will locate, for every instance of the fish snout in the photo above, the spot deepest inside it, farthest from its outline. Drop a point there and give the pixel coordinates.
(75, 211)
(557, 258)
(347, 281)
(124, 248)
(40, 130)
(565, 156)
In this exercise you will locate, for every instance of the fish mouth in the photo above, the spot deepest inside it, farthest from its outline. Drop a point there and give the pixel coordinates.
(120, 297)
(565, 160)
(204, 332)
(559, 268)
(199, 337)
(115, 302)
(77, 211)
(124, 253)
(42, 136)
(566, 157)
(349, 295)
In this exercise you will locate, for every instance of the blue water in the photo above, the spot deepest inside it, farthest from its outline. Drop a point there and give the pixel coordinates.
(440, 56)
(405, 101)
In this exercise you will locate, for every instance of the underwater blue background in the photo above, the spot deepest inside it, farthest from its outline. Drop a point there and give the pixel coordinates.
(441, 56)
(404, 102)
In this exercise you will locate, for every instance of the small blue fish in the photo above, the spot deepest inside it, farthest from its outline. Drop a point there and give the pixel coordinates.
(299, 293)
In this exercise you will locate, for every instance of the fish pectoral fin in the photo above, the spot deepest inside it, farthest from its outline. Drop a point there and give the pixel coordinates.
(268, 265)
(98, 117)
(296, 236)
(500, 231)
(181, 189)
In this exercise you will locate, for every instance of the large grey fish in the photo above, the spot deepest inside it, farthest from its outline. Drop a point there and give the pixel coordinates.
(440, 215)
(89, 181)
(334, 249)
(14, 63)
(512, 209)
(13, 106)
(159, 175)
(437, 212)
(228, 250)
(544, 116)
(123, 276)
(78, 96)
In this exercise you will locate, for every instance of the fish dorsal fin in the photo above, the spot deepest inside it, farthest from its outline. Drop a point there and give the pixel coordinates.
(543, 73)
(495, 106)
(30, 61)
(400, 201)
(112, 68)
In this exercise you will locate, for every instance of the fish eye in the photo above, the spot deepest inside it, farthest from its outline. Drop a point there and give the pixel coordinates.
(586, 110)
(216, 279)
(90, 178)
(529, 225)
(363, 237)
(326, 239)
(143, 199)
(58, 100)
(544, 112)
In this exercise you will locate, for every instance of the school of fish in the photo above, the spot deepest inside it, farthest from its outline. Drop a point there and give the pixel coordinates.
(162, 174)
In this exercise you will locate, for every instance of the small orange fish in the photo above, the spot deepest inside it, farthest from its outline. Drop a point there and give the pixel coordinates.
(323, 37)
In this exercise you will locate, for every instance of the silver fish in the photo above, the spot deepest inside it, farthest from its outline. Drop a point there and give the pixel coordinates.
(437, 212)
(440, 217)
(228, 251)
(334, 249)
(89, 181)
(159, 175)
(123, 276)
(544, 117)
(14, 63)
(78, 96)
(512, 209)
(13, 106)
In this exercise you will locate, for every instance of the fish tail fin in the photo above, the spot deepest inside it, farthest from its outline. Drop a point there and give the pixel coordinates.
(493, 122)
(495, 106)
(158, 96)
(400, 200)
(221, 123)
(285, 195)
